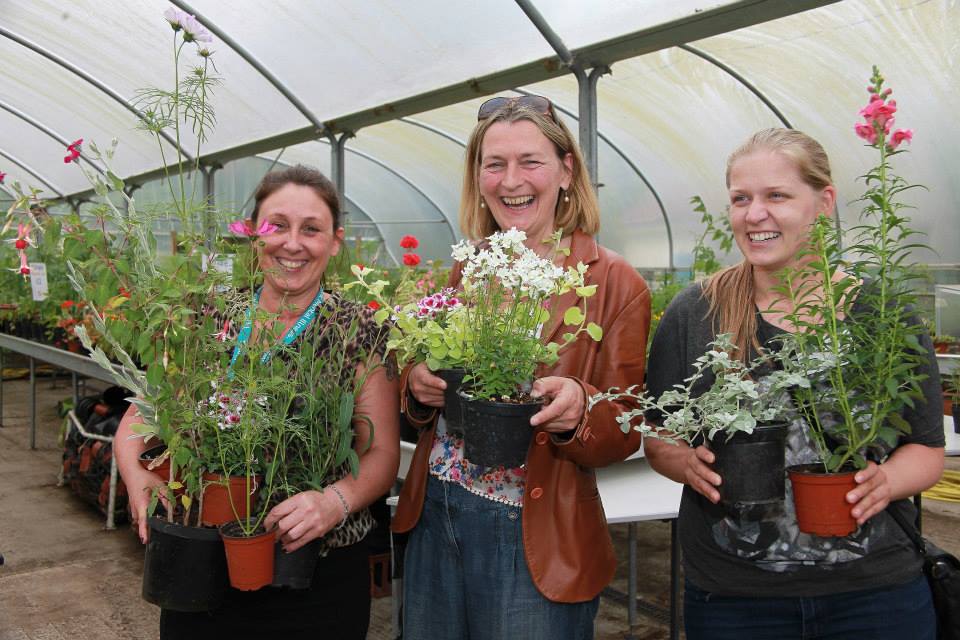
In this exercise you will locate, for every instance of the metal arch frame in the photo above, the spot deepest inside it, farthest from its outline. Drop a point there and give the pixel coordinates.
(739, 78)
(377, 227)
(7, 190)
(410, 183)
(32, 172)
(49, 55)
(433, 129)
(47, 130)
(636, 170)
(250, 59)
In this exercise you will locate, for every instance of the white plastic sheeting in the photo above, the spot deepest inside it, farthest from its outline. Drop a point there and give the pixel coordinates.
(668, 115)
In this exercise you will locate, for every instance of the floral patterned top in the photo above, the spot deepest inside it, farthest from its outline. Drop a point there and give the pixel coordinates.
(493, 483)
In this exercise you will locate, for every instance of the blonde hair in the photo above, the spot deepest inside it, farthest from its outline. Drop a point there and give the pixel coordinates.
(581, 212)
(731, 291)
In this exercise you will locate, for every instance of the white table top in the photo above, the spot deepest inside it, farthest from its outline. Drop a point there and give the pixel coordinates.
(953, 439)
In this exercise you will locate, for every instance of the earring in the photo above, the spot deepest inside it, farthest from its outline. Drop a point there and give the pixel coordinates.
(483, 205)
(566, 198)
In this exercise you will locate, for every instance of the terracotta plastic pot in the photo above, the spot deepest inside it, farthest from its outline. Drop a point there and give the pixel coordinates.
(249, 558)
(751, 464)
(453, 407)
(217, 498)
(151, 454)
(497, 433)
(820, 501)
(184, 568)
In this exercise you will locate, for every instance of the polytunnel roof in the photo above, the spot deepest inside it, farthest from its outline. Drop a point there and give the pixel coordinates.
(690, 81)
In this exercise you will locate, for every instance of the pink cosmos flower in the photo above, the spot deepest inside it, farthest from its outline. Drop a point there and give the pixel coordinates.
(192, 29)
(243, 228)
(866, 131)
(73, 151)
(899, 136)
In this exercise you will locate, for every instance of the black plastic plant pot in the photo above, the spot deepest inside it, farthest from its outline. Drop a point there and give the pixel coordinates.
(751, 464)
(453, 408)
(955, 410)
(184, 568)
(295, 570)
(497, 433)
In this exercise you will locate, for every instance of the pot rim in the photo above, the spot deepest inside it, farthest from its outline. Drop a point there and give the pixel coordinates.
(816, 469)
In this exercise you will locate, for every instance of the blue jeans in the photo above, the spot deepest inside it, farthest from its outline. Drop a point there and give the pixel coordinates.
(466, 578)
(888, 613)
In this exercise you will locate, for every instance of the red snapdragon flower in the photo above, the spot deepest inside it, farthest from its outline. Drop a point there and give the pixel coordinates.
(411, 259)
(899, 136)
(409, 242)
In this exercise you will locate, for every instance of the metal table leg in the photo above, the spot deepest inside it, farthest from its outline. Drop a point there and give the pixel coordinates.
(33, 404)
(674, 581)
(76, 390)
(112, 496)
(631, 579)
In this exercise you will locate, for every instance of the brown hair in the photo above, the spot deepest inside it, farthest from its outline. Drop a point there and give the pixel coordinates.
(731, 291)
(581, 212)
(300, 175)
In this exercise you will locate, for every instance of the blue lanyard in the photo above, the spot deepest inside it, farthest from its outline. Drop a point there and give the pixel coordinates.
(244, 336)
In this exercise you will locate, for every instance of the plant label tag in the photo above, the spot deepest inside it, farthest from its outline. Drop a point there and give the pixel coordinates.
(38, 280)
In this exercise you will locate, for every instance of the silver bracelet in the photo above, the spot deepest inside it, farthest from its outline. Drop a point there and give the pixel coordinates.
(343, 501)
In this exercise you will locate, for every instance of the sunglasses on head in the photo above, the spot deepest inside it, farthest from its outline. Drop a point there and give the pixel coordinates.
(536, 103)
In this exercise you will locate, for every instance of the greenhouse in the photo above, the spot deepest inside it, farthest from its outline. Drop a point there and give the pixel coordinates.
(162, 166)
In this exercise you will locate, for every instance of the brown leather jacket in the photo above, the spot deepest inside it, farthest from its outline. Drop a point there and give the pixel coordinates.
(565, 536)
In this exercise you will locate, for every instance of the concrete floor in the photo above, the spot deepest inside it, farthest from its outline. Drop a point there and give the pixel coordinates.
(67, 577)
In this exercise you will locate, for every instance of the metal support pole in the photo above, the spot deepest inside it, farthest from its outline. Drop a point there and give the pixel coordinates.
(209, 200)
(337, 165)
(631, 580)
(587, 93)
(112, 494)
(674, 581)
(33, 404)
(76, 390)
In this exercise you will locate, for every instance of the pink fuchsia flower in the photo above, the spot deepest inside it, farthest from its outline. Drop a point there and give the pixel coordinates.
(899, 136)
(2, 176)
(409, 242)
(411, 259)
(866, 131)
(243, 228)
(224, 333)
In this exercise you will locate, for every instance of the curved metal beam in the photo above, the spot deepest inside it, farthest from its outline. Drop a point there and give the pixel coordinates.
(47, 130)
(29, 170)
(636, 170)
(52, 57)
(410, 183)
(376, 225)
(256, 64)
(7, 190)
(436, 130)
(739, 78)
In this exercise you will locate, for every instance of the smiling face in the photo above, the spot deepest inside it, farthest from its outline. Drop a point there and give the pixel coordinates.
(772, 208)
(294, 257)
(520, 178)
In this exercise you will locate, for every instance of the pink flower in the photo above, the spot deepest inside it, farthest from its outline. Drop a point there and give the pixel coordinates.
(409, 242)
(192, 29)
(243, 228)
(2, 176)
(73, 151)
(899, 136)
(224, 333)
(879, 111)
(866, 131)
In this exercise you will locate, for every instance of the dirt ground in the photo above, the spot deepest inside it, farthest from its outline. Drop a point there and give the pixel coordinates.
(65, 576)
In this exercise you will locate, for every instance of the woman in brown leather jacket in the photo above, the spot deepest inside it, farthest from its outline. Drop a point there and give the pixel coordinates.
(524, 553)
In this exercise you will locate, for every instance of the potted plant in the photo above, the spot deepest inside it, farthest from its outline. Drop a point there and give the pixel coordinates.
(740, 416)
(508, 289)
(857, 334)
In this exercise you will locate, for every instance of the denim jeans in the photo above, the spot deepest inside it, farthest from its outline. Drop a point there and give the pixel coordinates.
(466, 578)
(888, 613)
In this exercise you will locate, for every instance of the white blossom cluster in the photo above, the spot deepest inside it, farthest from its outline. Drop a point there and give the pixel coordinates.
(507, 259)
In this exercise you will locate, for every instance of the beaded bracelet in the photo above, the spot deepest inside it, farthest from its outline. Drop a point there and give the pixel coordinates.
(343, 501)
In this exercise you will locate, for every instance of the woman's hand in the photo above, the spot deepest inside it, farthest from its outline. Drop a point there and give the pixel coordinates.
(872, 495)
(700, 476)
(140, 484)
(305, 517)
(426, 387)
(564, 407)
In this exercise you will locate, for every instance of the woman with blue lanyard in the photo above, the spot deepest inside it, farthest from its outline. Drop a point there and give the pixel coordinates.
(303, 206)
